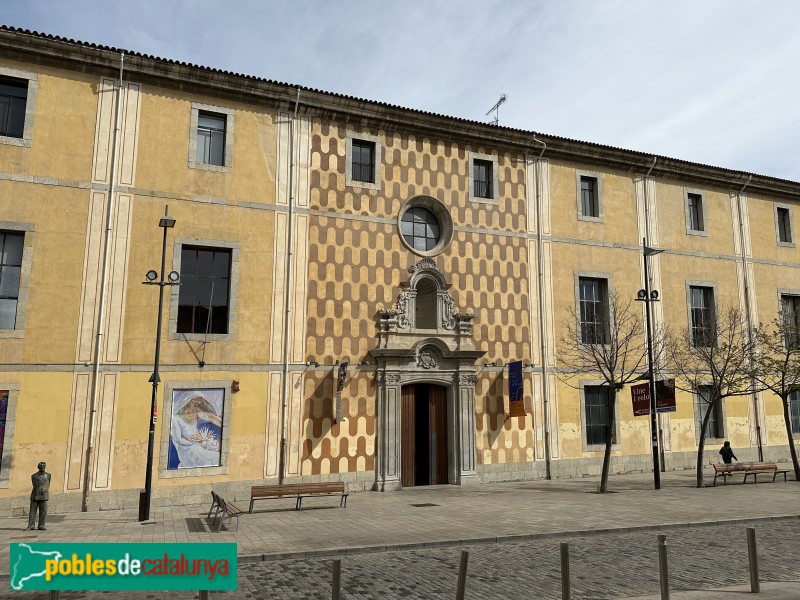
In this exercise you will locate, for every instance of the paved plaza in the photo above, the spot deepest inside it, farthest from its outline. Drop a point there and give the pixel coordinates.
(407, 544)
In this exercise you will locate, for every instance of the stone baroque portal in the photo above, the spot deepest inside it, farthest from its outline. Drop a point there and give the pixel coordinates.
(424, 339)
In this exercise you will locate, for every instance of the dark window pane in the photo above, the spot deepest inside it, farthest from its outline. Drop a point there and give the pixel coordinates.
(204, 269)
(9, 281)
(8, 313)
(186, 293)
(420, 228)
(220, 297)
(211, 138)
(363, 161)
(185, 316)
(12, 248)
(222, 262)
(482, 174)
(13, 98)
(219, 320)
(205, 259)
(209, 121)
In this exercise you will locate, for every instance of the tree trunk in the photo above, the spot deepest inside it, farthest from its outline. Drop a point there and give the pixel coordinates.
(787, 419)
(702, 444)
(612, 401)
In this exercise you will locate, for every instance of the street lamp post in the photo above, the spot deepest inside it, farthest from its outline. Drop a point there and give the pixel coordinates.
(153, 278)
(647, 296)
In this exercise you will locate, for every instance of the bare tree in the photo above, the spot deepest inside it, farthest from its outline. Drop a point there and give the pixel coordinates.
(713, 354)
(776, 366)
(610, 346)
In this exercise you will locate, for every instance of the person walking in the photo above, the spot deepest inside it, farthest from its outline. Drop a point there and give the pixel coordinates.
(727, 453)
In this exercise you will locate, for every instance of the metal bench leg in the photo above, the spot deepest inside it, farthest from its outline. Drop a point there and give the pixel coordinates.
(299, 505)
(251, 506)
(213, 504)
(221, 521)
(343, 501)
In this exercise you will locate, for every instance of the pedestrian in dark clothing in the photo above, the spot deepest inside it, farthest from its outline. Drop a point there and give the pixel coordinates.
(727, 453)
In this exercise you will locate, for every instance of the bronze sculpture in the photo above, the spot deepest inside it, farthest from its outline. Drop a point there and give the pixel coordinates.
(40, 494)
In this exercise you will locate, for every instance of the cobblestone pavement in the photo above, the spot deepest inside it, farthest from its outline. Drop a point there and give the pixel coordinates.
(605, 565)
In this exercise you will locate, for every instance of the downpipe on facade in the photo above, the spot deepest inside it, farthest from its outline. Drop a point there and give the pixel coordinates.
(286, 325)
(87, 476)
(542, 327)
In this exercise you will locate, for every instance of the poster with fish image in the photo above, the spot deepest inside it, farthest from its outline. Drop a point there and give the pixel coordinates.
(195, 434)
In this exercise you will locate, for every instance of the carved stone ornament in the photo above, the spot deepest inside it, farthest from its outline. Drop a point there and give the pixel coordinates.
(448, 320)
(425, 263)
(402, 310)
(467, 379)
(426, 359)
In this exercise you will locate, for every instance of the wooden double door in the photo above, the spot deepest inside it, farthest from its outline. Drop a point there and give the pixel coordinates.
(424, 435)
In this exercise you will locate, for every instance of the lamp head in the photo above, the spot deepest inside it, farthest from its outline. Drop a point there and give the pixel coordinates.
(641, 295)
(151, 275)
(166, 221)
(654, 294)
(173, 277)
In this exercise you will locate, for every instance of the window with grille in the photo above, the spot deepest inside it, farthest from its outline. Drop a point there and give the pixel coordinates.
(10, 271)
(590, 207)
(716, 425)
(482, 178)
(784, 225)
(694, 208)
(363, 161)
(13, 100)
(420, 228)
(593, 306)
(702, 308)
(790, 309)
(204, 297)
(794, 411)
(211, 138)
(595, 399)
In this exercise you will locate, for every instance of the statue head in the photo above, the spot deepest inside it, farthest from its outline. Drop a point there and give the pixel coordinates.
(41, 466)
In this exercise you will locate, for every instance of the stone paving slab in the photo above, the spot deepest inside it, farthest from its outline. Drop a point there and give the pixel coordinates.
(451, 515)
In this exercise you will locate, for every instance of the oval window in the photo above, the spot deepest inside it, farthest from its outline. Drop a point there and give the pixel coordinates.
(425, 226)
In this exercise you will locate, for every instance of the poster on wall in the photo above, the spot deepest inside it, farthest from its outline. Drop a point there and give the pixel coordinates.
(195, 431)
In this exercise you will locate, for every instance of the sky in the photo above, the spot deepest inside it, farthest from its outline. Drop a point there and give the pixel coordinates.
(709, 81)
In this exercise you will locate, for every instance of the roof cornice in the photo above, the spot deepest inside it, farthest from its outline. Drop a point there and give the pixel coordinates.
(53, 51)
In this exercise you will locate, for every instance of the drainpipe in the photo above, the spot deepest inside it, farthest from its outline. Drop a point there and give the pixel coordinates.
(747, 309)
(542, 326)
(286, 325)
(87, 475)
(662, 459)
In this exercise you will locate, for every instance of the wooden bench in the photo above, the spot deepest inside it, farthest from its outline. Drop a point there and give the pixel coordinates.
(298, 491)
(746, 469)
(225, 510)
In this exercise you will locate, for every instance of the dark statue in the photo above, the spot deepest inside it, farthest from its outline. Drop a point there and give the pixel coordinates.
(40, 494)
(342, 376)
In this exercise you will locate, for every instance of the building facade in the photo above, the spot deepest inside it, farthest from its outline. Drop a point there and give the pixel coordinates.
(354, 280)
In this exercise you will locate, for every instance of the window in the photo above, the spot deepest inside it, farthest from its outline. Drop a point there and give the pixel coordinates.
(716, 424)
(589, 204)
(483, 170)
(794, 411)
(420, 228)
(790, 307)
(695, 213)
(211, 138)
(593, 310)
(596, 418)
(363, 161)
(784, 224)
(10, 271)
(702, 309)
(204, 297)
(482, 179)
(13, 101)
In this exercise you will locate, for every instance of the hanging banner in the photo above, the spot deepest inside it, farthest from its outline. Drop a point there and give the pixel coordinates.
(516, 395)
(665, 395)
(640, 395)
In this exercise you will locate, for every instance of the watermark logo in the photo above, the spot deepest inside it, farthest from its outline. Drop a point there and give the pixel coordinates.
(123, 566)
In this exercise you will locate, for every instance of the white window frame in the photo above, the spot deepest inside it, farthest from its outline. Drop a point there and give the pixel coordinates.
(704, 284)
(788, 209)
(30, 106)
(233, 299)
(222, 111)
(600, 218)
(578, 275)
(697, 418)
(689, 231)
(166, 419)
(364, 137)
(490, 158)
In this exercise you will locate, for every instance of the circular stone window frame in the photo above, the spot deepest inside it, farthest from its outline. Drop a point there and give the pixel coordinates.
(442, 215)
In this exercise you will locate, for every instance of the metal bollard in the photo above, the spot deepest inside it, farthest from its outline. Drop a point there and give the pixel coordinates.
(565, 593)
(755, 585)
(205, 595)
(663, 569)
(336, 584)
(462, 575)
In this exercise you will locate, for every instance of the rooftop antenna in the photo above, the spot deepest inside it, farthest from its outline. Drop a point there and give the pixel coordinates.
(496, 109)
